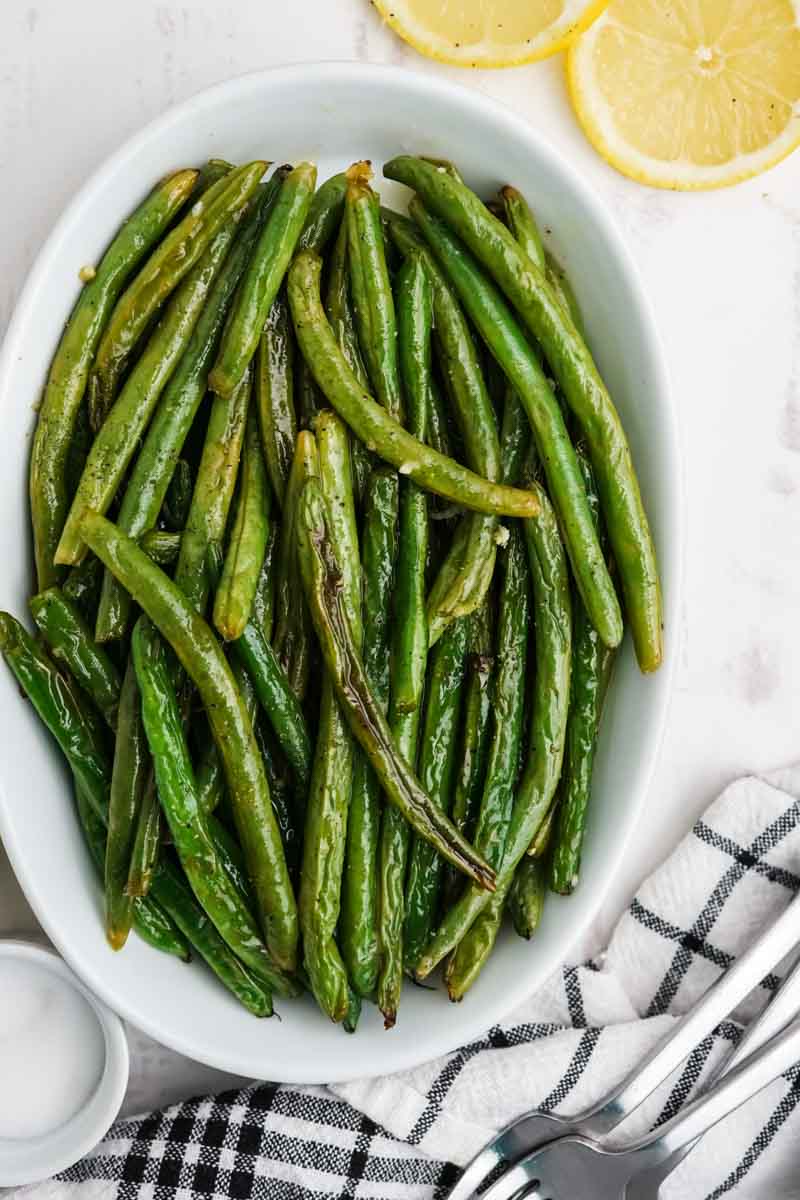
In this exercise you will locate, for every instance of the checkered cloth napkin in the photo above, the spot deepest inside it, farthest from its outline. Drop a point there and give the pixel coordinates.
(405, 1137)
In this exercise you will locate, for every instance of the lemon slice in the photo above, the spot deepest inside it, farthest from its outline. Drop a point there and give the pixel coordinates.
(690, 93)
(488, 33)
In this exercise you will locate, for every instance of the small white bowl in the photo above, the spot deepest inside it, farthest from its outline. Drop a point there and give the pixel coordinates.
(27, 1160)
(334, 113)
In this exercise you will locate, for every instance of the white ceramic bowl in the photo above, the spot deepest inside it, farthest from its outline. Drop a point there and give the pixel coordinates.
(27, 1160)
(332, 113)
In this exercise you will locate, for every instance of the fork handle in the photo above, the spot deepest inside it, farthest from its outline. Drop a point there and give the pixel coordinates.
(723, 996)
(724, 1097)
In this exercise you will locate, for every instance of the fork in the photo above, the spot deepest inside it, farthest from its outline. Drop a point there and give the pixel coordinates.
(782, 1008)
(573, 1168)
(535, 1129)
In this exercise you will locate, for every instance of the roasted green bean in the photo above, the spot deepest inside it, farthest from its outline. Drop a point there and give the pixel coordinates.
(436, 768)
(69, 370)
(582, 386)
(70, 640)
(534, 795)
(128, 781)
(274, 384)
(371, 423)
(358, 922)
(173, 259)
(200, 656)
(152, 470)
(321, 574)
(263, 278)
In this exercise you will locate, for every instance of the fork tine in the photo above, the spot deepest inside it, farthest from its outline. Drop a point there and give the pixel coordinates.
(518, 1138)
(518, 1180)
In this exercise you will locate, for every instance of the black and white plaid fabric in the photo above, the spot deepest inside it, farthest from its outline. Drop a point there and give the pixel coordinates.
(404, 1137)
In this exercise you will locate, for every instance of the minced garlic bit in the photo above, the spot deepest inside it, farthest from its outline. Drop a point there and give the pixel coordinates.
(197, 208)
(86, 274)
(501, 535)
(406, 468)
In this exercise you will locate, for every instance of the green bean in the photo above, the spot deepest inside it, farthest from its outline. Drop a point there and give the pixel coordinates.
(507, 341)
(371, 423)
(146, 851)
(557, 278)
(394, 848)
(465, 574)
(69, 370)
(458, 356)
(279, 702)
(175, 508)
(70, 640)
(583, 389)
(324, 214)
(128, 779)
(231, 859)
(592, 667)
(78, 449)
(436, 771)
(408, 659)
(514, 436)
(469, 957)
(209, 775)
(69, 721)
(340, 315)
(174, 258)
(321, 574)
(325, 833)
(151, 473)
(475, 737)
(200, 656)
(526, 897)
(415, 322)
(372, 290)
(64, 715)
(522, 223)
(213, 493)
(264, 599)
(553, 624)
(197, 927)
(178, 795)
(60, 709)
(160, 545)
(263, 278)
(150, 920)
(274, 378)
(118, 440)
(247, 542)
(293, 624)
(308, 398)
(214, 170)
(82, 586)
(358, 922)
(338, 308)
(444, 164)
(438, 432)
(541, 840)
(508, 702)
(288, 802)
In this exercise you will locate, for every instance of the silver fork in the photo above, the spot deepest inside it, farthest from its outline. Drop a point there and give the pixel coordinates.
(783, 1008)
(535, 1129)
(573, 1168)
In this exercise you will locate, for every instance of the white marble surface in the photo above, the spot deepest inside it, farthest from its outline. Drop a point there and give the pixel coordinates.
(723, 270)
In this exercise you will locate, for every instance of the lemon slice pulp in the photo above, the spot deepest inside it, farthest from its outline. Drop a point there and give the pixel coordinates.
(488, 33)
(690, 93)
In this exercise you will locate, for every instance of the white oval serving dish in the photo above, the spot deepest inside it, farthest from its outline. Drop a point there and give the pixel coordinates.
(332, 113)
